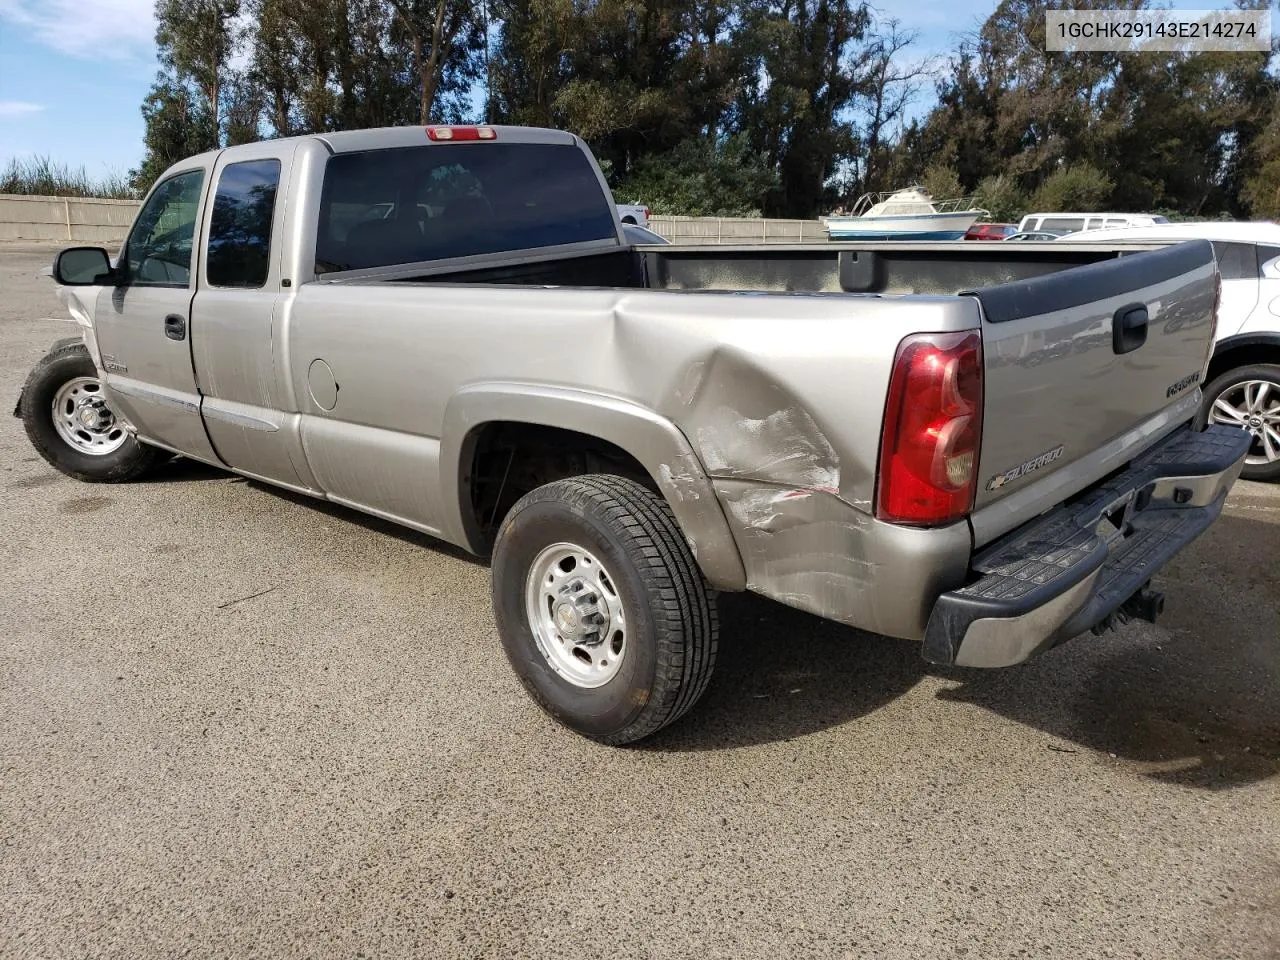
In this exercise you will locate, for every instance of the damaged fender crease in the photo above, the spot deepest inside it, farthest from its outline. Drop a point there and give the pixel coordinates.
(802, 548)
(744, 424)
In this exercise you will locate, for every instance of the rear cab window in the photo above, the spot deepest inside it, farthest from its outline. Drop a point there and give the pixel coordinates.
(440, 201)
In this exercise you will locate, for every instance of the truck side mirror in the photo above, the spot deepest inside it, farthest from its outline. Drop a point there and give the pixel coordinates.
(83, 267)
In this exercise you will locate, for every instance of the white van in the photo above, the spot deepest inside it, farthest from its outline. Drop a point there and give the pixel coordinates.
(1075, 222)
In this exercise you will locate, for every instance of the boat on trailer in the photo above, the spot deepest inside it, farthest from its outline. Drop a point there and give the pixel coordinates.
(910, 214)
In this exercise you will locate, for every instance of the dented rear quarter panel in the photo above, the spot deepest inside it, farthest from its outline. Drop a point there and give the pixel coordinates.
(775, 394)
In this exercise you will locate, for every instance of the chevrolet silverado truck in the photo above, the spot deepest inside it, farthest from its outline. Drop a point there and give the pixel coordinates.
(983, 449)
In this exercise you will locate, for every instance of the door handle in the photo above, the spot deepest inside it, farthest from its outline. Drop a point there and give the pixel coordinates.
(1129, 328)
(175, 327)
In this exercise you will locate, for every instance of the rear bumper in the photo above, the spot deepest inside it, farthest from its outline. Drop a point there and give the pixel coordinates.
(1070, 569)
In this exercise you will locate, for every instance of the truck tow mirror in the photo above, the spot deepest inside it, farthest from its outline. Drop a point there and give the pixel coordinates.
(83, 267)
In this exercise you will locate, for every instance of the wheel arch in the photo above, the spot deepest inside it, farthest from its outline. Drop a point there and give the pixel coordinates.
(1241, 350)
(57, 345)
(650, 440)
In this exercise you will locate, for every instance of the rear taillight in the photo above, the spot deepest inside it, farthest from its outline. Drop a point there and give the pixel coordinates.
(462, 133)
(932, 428)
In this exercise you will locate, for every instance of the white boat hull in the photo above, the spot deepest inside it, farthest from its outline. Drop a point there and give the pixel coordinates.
(923, 226)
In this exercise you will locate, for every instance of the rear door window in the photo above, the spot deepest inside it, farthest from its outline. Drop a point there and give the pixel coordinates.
(438, 201)
(240, 228)
(1268, 262)
(1236, 261)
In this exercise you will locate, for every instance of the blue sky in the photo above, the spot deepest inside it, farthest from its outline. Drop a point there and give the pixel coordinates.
(73, 72)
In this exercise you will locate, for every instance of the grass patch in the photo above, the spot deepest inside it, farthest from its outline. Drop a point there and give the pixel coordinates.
(42, 176)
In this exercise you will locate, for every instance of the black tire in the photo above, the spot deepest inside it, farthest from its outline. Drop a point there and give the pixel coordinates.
(673, 625)
(67, 361)
(1270, 372)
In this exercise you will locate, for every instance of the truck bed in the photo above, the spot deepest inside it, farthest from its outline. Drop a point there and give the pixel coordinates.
(939, 269)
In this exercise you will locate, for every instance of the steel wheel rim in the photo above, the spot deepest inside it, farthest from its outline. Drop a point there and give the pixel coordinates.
(576, 615)
(1252, 405)
(83, 420)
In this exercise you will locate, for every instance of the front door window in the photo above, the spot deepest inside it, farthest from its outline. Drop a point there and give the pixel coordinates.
(158, 253)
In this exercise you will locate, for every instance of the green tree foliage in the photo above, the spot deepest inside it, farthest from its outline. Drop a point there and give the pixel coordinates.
(788, 107)
(941, 182)
(1169, 131)
(700, 179)
(1001, 198)
(806, 69)
(1262, 190)
(183, 109)
(177, 126)
(1077, 186)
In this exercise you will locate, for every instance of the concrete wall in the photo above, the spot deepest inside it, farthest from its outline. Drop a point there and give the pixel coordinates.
(75, 220)
(65, 219)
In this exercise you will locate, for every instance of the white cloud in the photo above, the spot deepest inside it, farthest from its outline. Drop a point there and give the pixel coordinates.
(97, 30)
(18, 108)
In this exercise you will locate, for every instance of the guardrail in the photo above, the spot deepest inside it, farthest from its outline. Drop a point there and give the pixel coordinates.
(737, 230)
(68, 219)
(87, 220)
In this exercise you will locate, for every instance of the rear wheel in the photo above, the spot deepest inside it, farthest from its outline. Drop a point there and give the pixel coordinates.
(71, 425)
(1249, 398)
(601, 607)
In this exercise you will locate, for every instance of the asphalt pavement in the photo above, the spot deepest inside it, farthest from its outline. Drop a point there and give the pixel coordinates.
(239, 723)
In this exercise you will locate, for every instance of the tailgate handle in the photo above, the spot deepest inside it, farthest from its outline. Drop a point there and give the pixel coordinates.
(175, 327)
(1129, 328)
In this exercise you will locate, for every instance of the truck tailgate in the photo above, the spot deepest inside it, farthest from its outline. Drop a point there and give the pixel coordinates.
(1075, 360)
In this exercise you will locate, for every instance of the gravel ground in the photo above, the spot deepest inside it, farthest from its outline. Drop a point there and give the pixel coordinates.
(343, 765)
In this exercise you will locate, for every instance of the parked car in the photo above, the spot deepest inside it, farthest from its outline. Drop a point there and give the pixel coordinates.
(1035, 236)
(626, 429)
(1071, 222)
(990, 231)
(634, 214)
(1243, 380)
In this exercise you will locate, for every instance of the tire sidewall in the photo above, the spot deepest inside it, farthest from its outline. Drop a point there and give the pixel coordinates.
(37, 417)
(598, 711)
(1264, 473)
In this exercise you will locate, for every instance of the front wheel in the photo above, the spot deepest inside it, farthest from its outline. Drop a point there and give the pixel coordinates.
(70, 424)
(601, 607)
(1249, 398)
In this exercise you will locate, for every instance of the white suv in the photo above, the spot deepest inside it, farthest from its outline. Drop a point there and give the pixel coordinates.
(1243, 383)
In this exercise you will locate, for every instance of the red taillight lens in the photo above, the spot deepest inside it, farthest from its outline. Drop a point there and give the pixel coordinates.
(932, 428)
(462, 133)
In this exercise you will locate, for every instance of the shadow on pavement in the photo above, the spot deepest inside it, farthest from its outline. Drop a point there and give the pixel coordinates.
(783, 673)
(1200, 707)
(183, 470)
(377, 525)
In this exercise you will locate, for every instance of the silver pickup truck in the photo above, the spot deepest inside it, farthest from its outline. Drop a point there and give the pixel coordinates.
(981, 448)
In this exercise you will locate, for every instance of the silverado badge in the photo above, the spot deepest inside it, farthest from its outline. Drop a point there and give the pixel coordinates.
(1022, 469)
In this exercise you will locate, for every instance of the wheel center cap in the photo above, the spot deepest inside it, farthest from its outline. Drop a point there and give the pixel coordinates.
(567, 618)
(89, 417)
